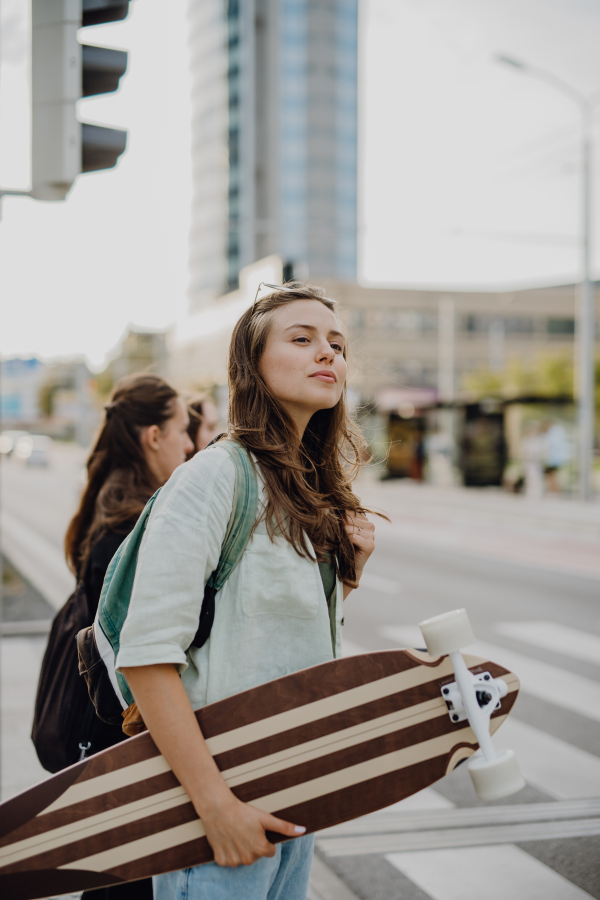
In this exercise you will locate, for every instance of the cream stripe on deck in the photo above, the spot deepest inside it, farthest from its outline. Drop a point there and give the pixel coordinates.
(301, 793)
(267, 765)
(272, 725)
(110, 781)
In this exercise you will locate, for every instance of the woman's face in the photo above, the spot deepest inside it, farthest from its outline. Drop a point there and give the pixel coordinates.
(303, 363)
(166, 448)
(209, 426)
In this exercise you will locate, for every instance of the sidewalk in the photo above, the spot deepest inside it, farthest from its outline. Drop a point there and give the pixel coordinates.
(554, 533)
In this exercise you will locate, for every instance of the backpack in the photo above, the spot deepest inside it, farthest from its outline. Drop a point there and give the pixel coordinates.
(63, 718)
(98, 644)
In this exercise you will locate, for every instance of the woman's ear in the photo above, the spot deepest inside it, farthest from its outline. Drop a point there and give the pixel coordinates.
(149, 437)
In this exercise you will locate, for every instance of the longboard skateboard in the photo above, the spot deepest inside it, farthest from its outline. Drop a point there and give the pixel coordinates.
(318, 747)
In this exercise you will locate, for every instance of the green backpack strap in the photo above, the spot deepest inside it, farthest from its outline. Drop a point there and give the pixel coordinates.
(241, 523)
(116, 591)
(243, 515)
(120, 575)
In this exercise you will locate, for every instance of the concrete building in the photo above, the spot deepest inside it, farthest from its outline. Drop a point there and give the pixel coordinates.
(407, 345)
(140, 350)
(274, 139)
(20, 385)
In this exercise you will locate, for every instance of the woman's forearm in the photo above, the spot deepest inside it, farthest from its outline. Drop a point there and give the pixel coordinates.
(235, 830)
(167, 712)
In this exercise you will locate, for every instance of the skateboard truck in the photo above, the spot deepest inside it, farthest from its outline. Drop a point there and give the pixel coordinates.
(473, 697)
(488, 692)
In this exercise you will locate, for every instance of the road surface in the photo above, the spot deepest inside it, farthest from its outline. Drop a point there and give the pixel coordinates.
(529, 575)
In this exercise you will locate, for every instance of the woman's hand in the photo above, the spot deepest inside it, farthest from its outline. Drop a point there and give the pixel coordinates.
(236, 831)
(362, 534)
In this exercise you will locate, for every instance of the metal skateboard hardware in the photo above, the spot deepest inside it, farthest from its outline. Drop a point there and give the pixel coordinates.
(488, 691)
(473, 697)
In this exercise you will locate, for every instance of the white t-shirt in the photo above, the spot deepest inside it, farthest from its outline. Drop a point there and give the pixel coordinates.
(271, 616)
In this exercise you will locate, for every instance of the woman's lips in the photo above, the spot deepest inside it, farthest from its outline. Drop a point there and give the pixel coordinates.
(327, 377)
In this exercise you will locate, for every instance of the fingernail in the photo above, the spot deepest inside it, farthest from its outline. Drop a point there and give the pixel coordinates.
(299, 829)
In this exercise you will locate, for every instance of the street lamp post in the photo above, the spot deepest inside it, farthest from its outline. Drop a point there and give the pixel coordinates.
(585, 320)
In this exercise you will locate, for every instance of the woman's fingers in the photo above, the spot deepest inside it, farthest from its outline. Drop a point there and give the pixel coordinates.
(241, 840)
(272, 823)
(362, 534)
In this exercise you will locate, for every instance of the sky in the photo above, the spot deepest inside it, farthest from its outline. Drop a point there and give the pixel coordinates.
(469, 171)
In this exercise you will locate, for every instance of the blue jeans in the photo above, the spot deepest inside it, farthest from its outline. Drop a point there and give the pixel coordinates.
(280, 877)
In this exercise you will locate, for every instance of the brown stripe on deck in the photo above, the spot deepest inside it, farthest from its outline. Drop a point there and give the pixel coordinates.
(369, 796)
(82, 848)
(355, 754)
(19, 809)
(329, 810)
(184, 856)
(347, 718)
(301, 688)
(127, 753)
(23, 885)
(106, 802)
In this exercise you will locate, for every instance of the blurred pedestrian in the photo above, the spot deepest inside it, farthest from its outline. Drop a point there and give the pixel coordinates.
(557, 453)
(533, 455)
(204, 422)
(142, 441)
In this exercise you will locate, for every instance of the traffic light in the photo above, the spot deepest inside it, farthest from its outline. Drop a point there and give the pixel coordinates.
(63, 71)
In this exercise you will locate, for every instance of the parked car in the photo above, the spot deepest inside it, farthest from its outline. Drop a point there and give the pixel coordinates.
(8, 441)
(34, 449)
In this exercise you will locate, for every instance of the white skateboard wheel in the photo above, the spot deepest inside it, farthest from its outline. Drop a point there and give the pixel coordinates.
(496, 778)
(447, 633)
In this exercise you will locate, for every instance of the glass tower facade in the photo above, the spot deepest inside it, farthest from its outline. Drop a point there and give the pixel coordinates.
(274, 138)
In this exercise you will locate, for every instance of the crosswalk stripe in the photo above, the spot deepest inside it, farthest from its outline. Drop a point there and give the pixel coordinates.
(548, 682)
(494, 872)
(555, 637)
(557, 768)
(426, 799)
(435, 839)
(467, 817)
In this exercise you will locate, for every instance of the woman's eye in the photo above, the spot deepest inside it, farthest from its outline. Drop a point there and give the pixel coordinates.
(337, 347)
(304, 339)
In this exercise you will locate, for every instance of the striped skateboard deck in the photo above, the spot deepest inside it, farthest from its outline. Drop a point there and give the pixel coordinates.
(319, 747)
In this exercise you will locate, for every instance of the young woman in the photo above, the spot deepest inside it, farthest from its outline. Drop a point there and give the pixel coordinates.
(142, 441)
(204, 422)
(287, 372)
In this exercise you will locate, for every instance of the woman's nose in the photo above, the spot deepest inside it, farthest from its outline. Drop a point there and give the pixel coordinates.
(326, 352)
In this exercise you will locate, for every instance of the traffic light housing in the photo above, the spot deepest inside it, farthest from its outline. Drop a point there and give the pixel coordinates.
(63, 71)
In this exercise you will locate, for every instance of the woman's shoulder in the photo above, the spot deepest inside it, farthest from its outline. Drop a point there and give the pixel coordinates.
(209, 475)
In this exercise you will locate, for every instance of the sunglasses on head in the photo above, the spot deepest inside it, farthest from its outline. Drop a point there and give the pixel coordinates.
(276, 287)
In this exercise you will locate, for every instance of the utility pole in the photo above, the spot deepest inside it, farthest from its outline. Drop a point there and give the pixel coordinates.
(586, 327)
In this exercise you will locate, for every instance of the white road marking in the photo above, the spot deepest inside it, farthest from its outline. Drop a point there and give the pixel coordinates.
(557, 768)
(427, 799)
(555, 637)
(550, 683)
(494, 872)
(40, 561)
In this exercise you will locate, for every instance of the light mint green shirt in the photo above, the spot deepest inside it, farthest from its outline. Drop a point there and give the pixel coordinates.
(271, 617)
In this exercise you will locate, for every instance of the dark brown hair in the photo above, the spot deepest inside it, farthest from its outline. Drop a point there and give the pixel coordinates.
(120, 482)
(309, 482)
(195, 407)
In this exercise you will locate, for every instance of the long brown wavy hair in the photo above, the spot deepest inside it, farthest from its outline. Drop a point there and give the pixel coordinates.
(308, 482)
(120, 482)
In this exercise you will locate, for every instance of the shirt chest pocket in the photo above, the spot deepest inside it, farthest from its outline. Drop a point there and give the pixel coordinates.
(276, 581)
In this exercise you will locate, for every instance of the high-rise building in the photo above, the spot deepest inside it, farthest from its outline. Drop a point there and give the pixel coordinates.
(274, 139)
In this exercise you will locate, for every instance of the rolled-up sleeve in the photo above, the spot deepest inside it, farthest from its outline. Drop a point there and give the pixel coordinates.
(180, 549)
